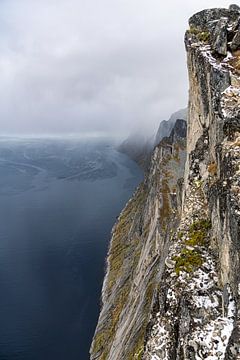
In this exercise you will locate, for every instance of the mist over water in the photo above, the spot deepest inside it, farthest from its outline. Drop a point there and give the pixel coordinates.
(58, 202)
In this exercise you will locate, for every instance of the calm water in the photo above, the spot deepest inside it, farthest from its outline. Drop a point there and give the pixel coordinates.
(58, 202)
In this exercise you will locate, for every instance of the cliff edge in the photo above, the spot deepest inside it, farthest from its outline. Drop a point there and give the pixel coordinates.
(172, 288)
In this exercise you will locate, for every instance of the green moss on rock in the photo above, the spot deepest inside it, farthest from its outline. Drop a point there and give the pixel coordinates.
(197, 235)
(120, 247)
(203, 36)
(198, 232)
(188, 261)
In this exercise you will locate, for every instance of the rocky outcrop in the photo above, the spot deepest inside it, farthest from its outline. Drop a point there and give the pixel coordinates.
(182, 299)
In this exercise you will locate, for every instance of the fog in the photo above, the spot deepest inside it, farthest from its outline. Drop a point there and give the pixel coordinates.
(92, 67)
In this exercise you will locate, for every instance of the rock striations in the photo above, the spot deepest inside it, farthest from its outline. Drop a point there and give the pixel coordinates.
(172, 288)
(139, 245)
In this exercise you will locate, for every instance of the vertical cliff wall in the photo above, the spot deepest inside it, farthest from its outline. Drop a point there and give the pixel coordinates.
(198, 302)
(172, 286)
(213, 128)
(139, 245)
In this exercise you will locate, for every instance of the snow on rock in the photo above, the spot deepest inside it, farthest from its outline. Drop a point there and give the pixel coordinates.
(230, 101)
(194, 317)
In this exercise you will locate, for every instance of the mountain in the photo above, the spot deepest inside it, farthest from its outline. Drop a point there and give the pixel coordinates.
(172, 286)
(166, 126)
(134, 258)
(139, 147)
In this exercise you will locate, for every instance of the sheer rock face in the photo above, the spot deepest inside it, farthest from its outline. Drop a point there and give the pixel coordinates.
(214, 112)
(137, 252)
(197, 311)
(183, 296)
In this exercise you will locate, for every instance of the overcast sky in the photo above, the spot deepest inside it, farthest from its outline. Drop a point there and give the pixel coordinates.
(92, 66)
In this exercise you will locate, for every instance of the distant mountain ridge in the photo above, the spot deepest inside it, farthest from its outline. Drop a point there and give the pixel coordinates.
(166, 126)
(140, 147)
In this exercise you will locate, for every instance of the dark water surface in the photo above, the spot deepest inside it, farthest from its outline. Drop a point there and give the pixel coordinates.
(58, 202)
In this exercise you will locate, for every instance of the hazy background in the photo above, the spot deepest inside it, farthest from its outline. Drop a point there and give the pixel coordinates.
(91, 66)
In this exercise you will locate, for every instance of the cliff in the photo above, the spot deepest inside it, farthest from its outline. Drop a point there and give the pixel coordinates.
(139, 148)
(172, 285)
(139, 242)
(166, 126)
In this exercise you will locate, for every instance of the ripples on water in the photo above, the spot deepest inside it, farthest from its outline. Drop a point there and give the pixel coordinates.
(58, 202)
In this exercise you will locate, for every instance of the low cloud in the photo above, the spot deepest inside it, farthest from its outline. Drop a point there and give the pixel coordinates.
(81, 66)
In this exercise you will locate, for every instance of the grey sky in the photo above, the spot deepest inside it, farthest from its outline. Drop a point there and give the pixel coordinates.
(80, 66)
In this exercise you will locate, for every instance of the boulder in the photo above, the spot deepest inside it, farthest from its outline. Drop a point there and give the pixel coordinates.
(202, 19)
(234, 7)
(235, 44)
(219, 37)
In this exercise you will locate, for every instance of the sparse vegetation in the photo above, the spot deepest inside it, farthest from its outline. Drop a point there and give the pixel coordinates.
(137, 352)
(122, 245)
(103, 338)
(188, 261)
(149, 293)
(146, 230)
(128, 239)
(180, 235)
(138, 349)
(212, 169)
(138, 355)
(203, 224)
(165, 209)
(119, 245)
(193, 30)
(198, 183)
(203, 36)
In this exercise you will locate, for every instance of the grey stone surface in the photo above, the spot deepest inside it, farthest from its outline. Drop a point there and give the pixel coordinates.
(235, 44)
(219, 37)
(234, 7)
(202, 19)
